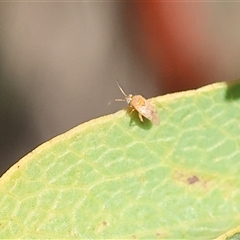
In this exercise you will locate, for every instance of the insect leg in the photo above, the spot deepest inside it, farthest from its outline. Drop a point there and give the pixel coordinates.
(133, 109)
(140, 117)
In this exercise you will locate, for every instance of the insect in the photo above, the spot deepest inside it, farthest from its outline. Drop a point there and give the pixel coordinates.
(141, 105)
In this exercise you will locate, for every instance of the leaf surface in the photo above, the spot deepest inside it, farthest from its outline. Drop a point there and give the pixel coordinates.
(115, 177)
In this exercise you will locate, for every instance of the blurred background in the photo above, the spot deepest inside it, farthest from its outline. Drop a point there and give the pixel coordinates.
(59, 60)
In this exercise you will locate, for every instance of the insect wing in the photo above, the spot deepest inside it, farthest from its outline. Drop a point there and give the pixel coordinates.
(150, 113)
(145, 108)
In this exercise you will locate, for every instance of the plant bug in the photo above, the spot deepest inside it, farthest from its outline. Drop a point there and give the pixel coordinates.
(141, 105)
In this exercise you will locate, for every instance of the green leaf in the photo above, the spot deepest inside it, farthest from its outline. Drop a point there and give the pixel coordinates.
(115, 177)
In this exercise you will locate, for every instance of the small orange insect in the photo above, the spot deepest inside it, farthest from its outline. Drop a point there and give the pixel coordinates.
(141, 105)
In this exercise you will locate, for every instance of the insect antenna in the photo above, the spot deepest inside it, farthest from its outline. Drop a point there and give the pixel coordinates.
(121, 89)
(118, 100)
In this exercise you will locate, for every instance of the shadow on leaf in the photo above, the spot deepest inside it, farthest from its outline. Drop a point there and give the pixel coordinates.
(233, 91)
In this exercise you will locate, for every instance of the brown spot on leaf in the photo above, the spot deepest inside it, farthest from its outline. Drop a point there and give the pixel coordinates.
(162, 235)
(102, 225)
(193, 179)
